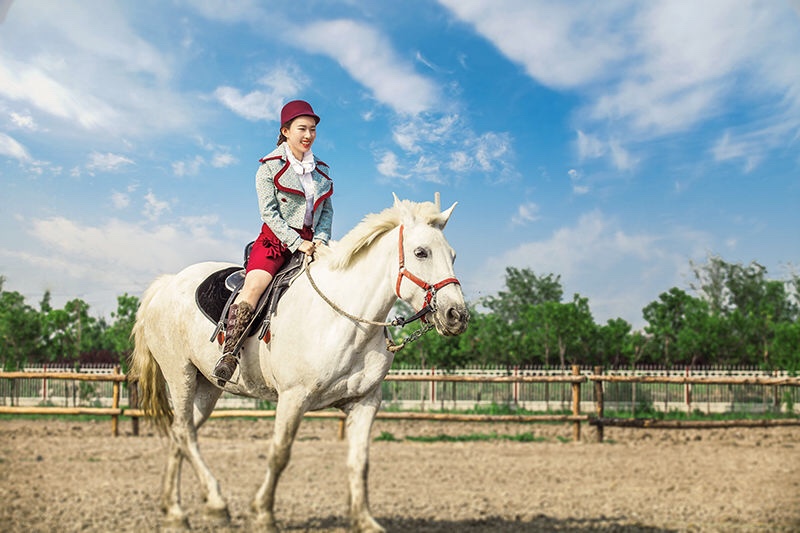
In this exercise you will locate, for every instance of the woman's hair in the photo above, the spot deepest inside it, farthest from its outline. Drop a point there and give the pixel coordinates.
(281, 136)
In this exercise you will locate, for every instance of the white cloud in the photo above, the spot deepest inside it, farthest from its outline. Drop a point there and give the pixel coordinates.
(57, 74)
(575, 177)
(589, 146)
(526, 213)
(655, 68)
(592, 147)
(389, 166)
(222, 160)
(428, 168)
(280, 84)
(120, 200)
(366, 54)
(107, 162)
(99, 262)
(491, 147)
(621, 158)
(11, 148)
(429, 145)
(25, 122)
(620, 271)
(190, 167)
(459, 161)
(561, 45)
(154, 207)
(227, 11)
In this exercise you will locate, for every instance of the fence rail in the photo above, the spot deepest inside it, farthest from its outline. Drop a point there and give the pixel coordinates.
(577, 397)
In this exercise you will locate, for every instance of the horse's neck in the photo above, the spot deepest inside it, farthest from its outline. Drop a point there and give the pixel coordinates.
(366, 286)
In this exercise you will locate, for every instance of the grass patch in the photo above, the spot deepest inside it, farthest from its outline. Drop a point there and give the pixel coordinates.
(476, 437)
(698, 415)
(387, 436)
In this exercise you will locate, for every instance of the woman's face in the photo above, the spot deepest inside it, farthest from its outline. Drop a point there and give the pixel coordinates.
(300, 135)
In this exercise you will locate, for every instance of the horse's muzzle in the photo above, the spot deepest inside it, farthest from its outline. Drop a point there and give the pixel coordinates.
(451, 320)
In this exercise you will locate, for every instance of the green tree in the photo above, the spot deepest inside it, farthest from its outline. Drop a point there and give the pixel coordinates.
(118, 335)
(786, 347)
(666, 318)
(613, 345)
(751, 305)
(20, 329)
(69, 332)
(524, 288)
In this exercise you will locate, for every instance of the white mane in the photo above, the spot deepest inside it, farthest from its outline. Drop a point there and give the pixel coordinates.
(372, 226)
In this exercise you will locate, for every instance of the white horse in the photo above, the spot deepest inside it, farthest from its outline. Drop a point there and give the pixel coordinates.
(316, 356)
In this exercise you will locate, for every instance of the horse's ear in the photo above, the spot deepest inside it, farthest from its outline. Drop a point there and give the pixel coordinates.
(445, 216)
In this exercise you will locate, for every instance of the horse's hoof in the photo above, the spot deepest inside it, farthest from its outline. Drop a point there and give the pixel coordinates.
(175, 523)
(265, 523)
(218, 516)
(368, 525)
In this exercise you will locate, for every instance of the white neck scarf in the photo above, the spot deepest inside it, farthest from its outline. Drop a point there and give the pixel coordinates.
(306, 166)
(304, 169)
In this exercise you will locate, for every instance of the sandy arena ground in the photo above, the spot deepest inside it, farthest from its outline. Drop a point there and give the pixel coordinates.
(74, 476)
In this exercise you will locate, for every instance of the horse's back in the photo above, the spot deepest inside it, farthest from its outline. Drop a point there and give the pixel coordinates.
(172, 296)
(183, 282)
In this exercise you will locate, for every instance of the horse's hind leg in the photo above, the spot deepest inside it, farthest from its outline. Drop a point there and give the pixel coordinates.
(170, 494)
(205, 399)
(360, 416)
(192, 405)
(288, 415)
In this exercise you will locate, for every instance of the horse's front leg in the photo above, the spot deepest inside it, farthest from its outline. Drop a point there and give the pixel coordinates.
(360, 416)
(288, 415)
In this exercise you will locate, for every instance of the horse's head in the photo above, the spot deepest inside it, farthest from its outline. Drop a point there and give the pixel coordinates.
(426, 277)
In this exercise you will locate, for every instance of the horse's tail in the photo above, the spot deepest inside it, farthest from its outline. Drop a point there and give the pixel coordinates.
(143, 368)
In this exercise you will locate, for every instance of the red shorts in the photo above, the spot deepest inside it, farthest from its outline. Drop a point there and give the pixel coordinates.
(269, 253)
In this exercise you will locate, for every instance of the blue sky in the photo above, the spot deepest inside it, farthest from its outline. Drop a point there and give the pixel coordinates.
(607, 142)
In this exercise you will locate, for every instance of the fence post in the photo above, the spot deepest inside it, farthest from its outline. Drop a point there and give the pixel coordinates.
(516, 386)
(576, 403)
(688, 393)
(115, 404)
(599, 402)
(776, 401)
(433, 388)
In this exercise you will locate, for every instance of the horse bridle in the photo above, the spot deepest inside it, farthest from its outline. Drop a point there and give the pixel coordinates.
(430, 291)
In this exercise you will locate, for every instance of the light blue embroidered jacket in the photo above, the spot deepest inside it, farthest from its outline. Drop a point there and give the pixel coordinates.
(282, 202)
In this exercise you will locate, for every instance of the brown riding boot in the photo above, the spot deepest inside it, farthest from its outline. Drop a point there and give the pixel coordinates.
(239, 317)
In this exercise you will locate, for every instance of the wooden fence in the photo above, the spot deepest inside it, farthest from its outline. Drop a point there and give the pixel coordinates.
(575, 381)
(115, 411)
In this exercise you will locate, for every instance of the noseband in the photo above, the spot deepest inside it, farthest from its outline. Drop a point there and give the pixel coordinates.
(430, 290)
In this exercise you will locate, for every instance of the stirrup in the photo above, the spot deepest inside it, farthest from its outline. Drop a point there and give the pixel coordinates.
(234, 380)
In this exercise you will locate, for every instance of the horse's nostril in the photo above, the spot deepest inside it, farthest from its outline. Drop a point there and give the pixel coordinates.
(456, 315)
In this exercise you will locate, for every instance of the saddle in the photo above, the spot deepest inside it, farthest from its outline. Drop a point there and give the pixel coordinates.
(216, 294)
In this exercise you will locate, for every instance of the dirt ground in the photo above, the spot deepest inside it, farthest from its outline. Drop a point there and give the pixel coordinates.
(74, 476)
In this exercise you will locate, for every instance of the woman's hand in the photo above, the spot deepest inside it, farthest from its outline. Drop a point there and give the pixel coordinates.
(307, 247)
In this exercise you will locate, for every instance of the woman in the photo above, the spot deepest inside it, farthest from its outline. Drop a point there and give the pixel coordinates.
(294, 196)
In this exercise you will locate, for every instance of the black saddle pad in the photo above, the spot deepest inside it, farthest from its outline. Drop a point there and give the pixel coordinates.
(212, 294)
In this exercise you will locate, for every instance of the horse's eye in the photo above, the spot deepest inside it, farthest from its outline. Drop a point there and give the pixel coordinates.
(421, 253)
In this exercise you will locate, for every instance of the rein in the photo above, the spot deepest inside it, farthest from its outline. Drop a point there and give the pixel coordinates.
(429, 307)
